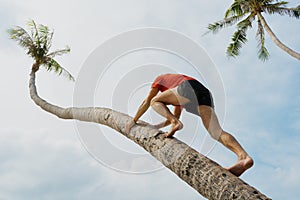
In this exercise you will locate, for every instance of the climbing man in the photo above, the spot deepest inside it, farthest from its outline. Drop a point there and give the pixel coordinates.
(183, 91)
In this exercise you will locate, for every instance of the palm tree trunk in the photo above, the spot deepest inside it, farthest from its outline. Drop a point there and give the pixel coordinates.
(275, 39)
(201, 173)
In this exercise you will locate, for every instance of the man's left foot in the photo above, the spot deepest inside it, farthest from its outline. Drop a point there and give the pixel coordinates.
(175, 127)
(241, 166)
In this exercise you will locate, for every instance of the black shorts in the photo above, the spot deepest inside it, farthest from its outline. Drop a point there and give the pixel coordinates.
(197, 93)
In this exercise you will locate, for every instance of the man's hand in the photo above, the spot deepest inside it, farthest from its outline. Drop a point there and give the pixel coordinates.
(129, 125)
(142, 109)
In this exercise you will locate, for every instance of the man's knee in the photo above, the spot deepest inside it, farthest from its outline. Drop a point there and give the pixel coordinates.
(153, 101)
(210, 122)
(215, 133)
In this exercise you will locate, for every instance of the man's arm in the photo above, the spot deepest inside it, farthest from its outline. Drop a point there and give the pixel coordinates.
(177, 113)
(142, 108)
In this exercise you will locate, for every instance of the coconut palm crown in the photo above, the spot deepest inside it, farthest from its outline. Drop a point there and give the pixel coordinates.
(37, 42)
(243, 13)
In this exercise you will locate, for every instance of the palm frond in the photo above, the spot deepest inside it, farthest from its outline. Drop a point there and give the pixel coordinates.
(238, 39)
(263, 53)
(277, 9)
(266, 1)
(291, 12)
(45, 37)
(234, 10)
(247, 23)
(34, 33)
(215, 27)
(239, 7)
(59, 52)
(22, 37)
(277, 4)
(53, 65)
(240, 36)
(40, 35)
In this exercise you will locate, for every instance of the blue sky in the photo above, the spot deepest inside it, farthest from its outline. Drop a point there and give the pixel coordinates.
(42, 156)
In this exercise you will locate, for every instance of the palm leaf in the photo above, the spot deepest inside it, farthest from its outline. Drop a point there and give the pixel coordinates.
(215, 27)
(34, 33)
(234, 10)
(53, 65)
(39, 53)
(45, 37)
(291, 12)
(238, 8)
(238, 39)
(277, 4)
(23, 38)
(59, 52)
(246, 23)
(263, 53)
(266, 1)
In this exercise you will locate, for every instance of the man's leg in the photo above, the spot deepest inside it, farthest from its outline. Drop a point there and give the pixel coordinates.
(212, 125)
(169, 97)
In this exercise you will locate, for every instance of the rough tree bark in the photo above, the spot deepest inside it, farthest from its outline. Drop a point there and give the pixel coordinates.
(275, 39)
(201, 173)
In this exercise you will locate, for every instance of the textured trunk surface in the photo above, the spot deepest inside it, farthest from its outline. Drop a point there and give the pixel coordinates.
(275, 39)
(201, 173)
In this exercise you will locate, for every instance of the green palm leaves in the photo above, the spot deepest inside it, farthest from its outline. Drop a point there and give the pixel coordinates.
(243, 13)
(38, 42)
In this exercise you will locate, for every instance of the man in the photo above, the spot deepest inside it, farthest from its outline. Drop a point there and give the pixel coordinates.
(183, 91)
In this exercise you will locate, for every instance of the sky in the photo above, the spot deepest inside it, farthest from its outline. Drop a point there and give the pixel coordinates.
(44, 157)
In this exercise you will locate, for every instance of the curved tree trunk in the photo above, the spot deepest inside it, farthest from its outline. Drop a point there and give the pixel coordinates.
(201, 173)
(275, 39)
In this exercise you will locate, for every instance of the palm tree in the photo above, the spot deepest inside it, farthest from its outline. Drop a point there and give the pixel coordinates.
(244, 13)
(203, 174)
(38, 43)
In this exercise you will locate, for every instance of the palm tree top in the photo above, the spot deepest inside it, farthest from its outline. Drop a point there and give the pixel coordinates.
(242, 7)
(37, 41)
(243, 13)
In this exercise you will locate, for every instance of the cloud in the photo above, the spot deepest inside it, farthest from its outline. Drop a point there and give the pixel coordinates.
(35, 165)
(43, 165)
(43, 160)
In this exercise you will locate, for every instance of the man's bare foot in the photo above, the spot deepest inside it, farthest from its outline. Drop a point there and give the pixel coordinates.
(177, 125)
(241, 166)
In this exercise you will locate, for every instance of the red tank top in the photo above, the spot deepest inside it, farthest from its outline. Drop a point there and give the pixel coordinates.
(168, 81)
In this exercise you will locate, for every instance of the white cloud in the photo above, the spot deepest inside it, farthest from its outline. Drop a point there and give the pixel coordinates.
(43, 165)
(35, 165)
